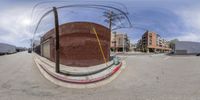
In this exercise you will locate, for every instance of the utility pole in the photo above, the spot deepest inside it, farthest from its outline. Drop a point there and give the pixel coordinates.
(123, 42)
(57, 68)
(110, 23)
(110, 14)
(115, 41)
(111, 18)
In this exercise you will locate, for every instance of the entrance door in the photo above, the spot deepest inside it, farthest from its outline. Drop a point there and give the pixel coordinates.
(46, 49)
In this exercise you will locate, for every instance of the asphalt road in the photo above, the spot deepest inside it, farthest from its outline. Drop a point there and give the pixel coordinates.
(146, 77)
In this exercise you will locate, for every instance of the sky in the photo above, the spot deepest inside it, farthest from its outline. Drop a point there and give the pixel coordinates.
(171, 19)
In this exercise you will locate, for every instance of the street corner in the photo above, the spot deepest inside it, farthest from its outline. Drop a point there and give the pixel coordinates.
(94, 77)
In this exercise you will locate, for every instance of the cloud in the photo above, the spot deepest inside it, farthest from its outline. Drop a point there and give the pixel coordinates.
(174, 21)
(190, 37)
(191, 17)
(12, 27)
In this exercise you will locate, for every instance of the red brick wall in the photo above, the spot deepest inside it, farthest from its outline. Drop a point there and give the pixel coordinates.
(78, 44)
(153, 39)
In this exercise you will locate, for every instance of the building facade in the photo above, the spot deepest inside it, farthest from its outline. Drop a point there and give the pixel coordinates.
(119, 42)
(7, 49)
(152, 42)
(132, 47)
(78, 44)
(186, 47)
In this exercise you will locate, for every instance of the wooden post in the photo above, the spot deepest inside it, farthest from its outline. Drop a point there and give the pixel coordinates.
(57, 68)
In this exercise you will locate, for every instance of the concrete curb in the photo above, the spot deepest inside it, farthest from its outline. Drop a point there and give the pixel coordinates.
(90, 81)
(75, 70)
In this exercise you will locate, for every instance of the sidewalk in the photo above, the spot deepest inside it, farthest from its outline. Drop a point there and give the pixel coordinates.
(79, 77)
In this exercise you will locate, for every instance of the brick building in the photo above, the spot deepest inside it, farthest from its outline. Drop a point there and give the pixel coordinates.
(78, 44)
(119, 42)
(152, 42)
(186, 47)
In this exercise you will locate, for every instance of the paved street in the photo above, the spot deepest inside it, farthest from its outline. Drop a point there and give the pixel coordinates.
(146, 77)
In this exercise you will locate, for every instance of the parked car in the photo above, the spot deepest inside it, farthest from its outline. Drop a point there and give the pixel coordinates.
(29, 50)
(198, 54)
